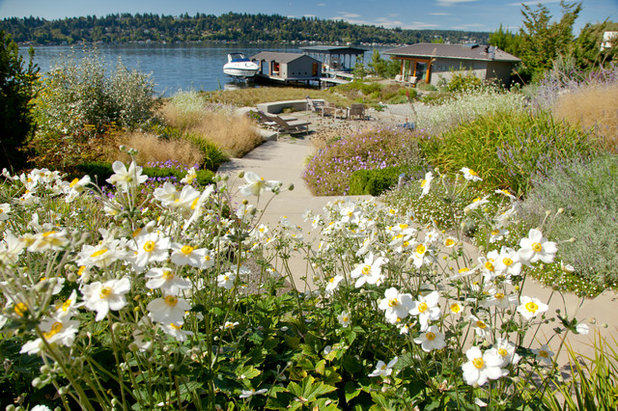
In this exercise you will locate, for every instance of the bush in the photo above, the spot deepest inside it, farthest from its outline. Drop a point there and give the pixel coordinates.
(508, 148)
(375, 182)
(587, 191)
(460, 82)
(17, 90)
(101, 171)
(328, 171)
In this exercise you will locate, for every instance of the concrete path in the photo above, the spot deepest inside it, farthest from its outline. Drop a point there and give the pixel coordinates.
(284, 160)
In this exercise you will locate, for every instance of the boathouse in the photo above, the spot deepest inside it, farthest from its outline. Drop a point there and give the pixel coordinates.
(430, 63)
(287, 67)
(336, 57)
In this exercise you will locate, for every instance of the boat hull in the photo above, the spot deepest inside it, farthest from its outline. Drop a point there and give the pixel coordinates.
(239, 72)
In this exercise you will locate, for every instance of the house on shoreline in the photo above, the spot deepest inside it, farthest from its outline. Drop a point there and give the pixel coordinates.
(287, 68)
(430, 63)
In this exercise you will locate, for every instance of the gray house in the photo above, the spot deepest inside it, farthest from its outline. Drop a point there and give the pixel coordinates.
(429, 62)
(287, 67)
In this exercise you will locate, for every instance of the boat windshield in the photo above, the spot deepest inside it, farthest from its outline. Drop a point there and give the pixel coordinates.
(238, 57)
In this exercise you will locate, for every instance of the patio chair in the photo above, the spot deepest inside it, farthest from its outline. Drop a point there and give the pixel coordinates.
(291, 127)
(313, 105)
(358, 110)
(329, 109)
(268, 120)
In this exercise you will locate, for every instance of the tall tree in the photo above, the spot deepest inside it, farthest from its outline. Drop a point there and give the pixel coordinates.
(17, 90)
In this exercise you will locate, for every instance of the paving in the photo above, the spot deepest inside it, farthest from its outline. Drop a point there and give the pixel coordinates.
(283, 159)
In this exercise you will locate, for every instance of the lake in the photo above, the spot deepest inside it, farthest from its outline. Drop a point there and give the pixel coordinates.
(173, 67)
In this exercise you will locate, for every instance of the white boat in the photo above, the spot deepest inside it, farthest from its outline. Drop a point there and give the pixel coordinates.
(240, 66)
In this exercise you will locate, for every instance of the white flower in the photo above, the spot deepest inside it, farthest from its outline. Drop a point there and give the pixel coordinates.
(151, 247)
(582, 328)
(396, 305)
(49, 240)
(226, 280)
(370, 271)
(480, 327)
(125, 178)
(499, 299)
(432, 339)
(535, 247)
(55, 330)
(176, 331)
(426, 183)
(508, 262)
(421, 255)
(427, 309)
(344, 319)
(250, 393)
(166, 194)
(482, 367)
(333, 283)
(102, 297)
(543, 354)
(165, 279)
(470, 174)
(476, 203)
(383, 369)
(506, 193)
(190, 176)
(168, 309)
(66, 309)
(5, 209)
(530, 307)
(505, 350)
(184, 254)
(40, 408)
(229, 325)
(256, 185)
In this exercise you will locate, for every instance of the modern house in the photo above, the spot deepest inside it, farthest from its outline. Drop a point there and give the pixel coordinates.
(287, 67)
(336, 57)
(430, 63)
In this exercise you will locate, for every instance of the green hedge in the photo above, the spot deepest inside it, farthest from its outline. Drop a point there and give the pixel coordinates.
(375, 182)
(100, 171)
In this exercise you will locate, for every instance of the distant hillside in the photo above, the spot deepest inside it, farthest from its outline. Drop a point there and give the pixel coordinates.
(232, 27)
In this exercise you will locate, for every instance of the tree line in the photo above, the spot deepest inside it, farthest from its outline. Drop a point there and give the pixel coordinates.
(231, 27)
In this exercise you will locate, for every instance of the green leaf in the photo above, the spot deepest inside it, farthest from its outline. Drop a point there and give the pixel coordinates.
(351, 391)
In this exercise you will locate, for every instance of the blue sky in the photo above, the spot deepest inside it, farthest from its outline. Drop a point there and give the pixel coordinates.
(473, 15)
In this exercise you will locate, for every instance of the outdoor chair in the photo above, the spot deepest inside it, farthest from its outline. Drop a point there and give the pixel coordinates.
(357, 110)
(268, 120)
(313, 105)
(291, 127)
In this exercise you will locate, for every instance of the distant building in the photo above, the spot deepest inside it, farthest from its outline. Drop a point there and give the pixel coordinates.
(287, 67)
(429, 63)
(608, 38)
(336, 57)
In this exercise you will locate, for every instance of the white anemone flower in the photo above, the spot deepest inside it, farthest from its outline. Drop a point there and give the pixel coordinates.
(482, 367)
(370, 271)
(226, 280)
(508, 262)
(333, 283)
(480, 327)
(383, 369)
(190, 176)
(185, 254)
(396, 305)
(476, 203)
(426, 308)
(344, 319)
(431, 340)
(166, 194)
(102, 297)
(535, 247)
(505, 350)
(543, 354)
(49, 240)
(152, 247)
(250, 393)
(530, 307)
(68, 307)
(470, 174)
(426, 183)
(168, 309)
(165, 279)
(256, 185)
(176, 331)
(124, 178)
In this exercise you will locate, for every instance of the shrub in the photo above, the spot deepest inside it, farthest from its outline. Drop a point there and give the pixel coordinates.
(460, 82)
(375, 182)
(17, 90)
(101, 171)
(587, 191)
(151, 147)
(328, 171)
(508, 148)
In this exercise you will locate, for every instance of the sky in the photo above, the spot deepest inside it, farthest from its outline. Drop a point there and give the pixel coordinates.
(469, 15)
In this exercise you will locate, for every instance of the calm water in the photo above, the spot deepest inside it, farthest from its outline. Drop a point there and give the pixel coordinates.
(173, 67)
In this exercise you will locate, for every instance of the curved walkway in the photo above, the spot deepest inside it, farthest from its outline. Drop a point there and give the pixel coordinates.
(284, 160)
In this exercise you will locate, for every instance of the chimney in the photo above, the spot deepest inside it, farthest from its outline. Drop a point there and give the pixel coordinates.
(492, 52)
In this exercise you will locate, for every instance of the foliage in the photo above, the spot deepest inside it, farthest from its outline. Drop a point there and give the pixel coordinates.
(542, 41)
(17, 89)
(383, 68)
(460, 82)
(592, 382)
(237, 27)
(591, 219)
(254, 96)
(125, 309)
(508, 148)
(375, 182)
(328, 171)
(371, 92)
(588, 51)
(505, 40)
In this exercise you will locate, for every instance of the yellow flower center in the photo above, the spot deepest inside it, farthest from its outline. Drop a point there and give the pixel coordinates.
(393, 302)
(537, 247)
(366, 270)
(149, 246)
(502, 352)
(405, 244)
(331, 280)
(74, 182)
(420, 249)
(430, 336)
(476, 199)
(489, 266)
(423, 183)
(544, 354)
(168, 275)
(81, 270)
(481, 324)
(66, 305)
(194, 203)
(532, 307)
(136, 232)
(186, 249)
(449, 242)
(171, 300)
(99, 253)
(48, 233)
(55, 329)
(422, 307)
(345, 319)
(20, 309)
(507, 261)
(463, 270)
(403, 226)
(478, 363)
(499, 296)
(176, 327)
(495, 232)
(455, 308)
(105, 292)
(472, 172)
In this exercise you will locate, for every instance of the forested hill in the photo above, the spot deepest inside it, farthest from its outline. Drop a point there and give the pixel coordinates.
(123, 28)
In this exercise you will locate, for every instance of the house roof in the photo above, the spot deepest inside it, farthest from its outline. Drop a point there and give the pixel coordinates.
(454, 51)
(279, 57)
(334, 49)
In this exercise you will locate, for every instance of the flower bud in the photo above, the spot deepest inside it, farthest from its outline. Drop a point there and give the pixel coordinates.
(291, 187)
(560, 210)
(241, 174)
